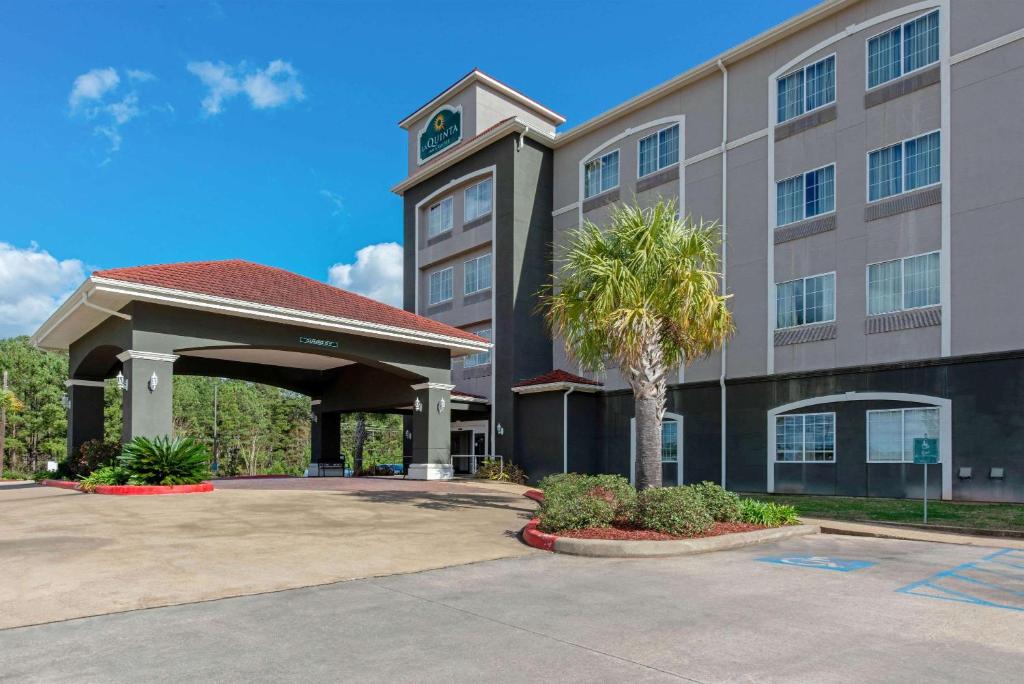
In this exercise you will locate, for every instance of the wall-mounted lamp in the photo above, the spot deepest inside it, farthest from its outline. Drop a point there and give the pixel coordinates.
(313, 417)
(65, 401)
(500, 430)
(153, 380)
(418, 405)
(440, 405)
(408, 434)
(122, 382)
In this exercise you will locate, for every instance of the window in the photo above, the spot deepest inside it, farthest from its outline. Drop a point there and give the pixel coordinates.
(806, 437)
(439, 217)
(805, 301)
(658, 151)
(908, 283)
(477, 274)
(891, 433)
(809, 88)
(905, 166)
(601, 174)
(441, 286)
(670, 441)
(809, 194)
(911, 46)
(480, 358)
(478, 200)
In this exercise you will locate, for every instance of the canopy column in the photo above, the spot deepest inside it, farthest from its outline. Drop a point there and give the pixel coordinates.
(431, 432)
(325, 437)
(147, 401)
(85, 413)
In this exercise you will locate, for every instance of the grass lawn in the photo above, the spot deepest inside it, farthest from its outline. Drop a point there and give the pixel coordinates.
(958, 514)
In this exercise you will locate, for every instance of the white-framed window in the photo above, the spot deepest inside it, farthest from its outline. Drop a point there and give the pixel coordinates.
(805, 438)
(891, 433)
(439, 217)
(805, 301)
(658, 151)
(807, 89)
(905, 166)
(477, 274)
(806, 195)
(601, 174)
(903, 49)
(441, 285)
(478, 200)
(480, 358)
(907, 283)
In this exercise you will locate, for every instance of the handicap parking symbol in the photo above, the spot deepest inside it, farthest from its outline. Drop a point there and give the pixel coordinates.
(819, 562)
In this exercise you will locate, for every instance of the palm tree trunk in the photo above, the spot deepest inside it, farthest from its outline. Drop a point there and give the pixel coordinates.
(648, 440)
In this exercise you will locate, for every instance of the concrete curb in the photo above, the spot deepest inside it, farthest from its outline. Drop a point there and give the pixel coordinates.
(602, 548)
(60, 484)
(134, 490)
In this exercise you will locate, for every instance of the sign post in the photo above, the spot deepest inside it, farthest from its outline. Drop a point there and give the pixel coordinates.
(926, 452)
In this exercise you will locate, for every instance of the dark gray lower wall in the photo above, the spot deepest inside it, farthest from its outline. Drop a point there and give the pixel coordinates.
(987, 395)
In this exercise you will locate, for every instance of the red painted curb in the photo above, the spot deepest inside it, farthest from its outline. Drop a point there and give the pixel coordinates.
(146, 490)
(253, 477)
(60, 484)
(534, 494)
(537, 539)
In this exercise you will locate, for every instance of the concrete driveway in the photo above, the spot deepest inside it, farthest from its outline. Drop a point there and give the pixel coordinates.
(724, 617)
(64, 554)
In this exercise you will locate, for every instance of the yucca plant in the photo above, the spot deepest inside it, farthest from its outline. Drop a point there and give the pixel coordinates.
(165, 461)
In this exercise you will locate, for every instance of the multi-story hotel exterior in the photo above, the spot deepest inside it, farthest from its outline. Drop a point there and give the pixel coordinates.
(865, 160)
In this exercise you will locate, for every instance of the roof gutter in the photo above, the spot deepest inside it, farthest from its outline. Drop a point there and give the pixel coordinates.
(555, 387)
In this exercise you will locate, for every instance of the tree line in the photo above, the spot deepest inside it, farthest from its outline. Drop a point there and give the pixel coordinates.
(248, 428)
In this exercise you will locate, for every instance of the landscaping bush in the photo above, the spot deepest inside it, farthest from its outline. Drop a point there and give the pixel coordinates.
(614, 489)
(673, 510)
(767, 513)
(165, 461)
(107, 475)
(492, 469)
(724, 506)
(91, 455)
(574, 512)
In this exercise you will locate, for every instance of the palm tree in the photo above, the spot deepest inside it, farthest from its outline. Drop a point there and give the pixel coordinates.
(644, 293)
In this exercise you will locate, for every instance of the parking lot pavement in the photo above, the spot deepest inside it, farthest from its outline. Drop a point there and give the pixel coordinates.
(810, 609)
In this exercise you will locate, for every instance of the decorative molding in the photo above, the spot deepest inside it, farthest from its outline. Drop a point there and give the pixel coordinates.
(659, 178)
(430, 471)
(806, 333)
(474, 297)
(433, 385)
(903, 203)
(83, 383)
(315, 402)
(903, 320)
(908, 84)
(795, 231)
(132, 354)
(566, 209)
(478, 221)
(440, 237)
(805, 122)
(601, 200)
(987, 47)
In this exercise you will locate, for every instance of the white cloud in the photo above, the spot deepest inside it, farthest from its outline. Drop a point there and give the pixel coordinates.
(140, 75)
(92, 85)
(125, 110)
(377, 273)
(32, 284)
(266, 88)
(335, 199)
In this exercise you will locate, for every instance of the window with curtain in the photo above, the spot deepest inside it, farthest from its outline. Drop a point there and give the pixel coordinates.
(921, 161)
(440, 286)
(909, 283)
(806, 89)
(906, 48)
(658, 150)
(439, 217)
(885, 287)
(601, 174)
(805, 301)
(477, 274)
(478, 200)
(670, 441)
(806, 437)
(891, 433)
(905, 166)
(480, 358)
(810, 194)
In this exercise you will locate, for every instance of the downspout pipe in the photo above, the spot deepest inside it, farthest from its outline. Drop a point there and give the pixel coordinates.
(725, 250)
(565, 428)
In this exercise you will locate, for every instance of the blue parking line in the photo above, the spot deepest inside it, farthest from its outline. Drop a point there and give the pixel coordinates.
(819, 562)
(937, 586)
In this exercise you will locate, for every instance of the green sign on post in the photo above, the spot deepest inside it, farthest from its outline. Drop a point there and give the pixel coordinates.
(926, 452)
(442, 130)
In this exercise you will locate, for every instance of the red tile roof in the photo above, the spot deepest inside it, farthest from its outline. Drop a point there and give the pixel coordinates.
(557, 375)
(258, 284)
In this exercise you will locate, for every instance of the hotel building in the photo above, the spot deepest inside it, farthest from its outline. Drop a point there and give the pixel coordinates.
(865, 161)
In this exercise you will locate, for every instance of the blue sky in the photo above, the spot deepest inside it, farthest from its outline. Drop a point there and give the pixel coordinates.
(144, 132)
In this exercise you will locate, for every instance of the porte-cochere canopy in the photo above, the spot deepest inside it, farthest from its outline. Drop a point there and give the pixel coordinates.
(237, 319)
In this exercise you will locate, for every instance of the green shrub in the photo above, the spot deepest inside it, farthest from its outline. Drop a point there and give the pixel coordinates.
(767, 513)
(574, 511)
(673, 510)
(91, 455)
(107, 475)
(724, 506)
(494, 469)
(614, 489)
(165, 461)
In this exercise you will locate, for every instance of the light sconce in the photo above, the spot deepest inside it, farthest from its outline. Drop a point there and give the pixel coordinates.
(408, 434)
(153, 380)
(418, 405)
(313, 417)
(440, 405)
(65, 401)
(499, 429)
(122, 382)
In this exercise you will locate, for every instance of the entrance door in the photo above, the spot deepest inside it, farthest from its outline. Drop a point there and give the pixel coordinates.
(462, 446)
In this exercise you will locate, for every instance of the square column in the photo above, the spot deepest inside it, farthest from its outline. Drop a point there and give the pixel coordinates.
(325, 437)
(147, 402)
(431, 432)
(85, 413)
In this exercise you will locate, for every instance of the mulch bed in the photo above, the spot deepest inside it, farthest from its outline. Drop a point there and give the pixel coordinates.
(635, 534)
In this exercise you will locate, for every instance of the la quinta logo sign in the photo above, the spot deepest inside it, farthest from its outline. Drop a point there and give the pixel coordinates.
(442, 129)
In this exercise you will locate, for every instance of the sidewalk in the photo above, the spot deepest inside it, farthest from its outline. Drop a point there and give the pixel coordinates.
(866, 529)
